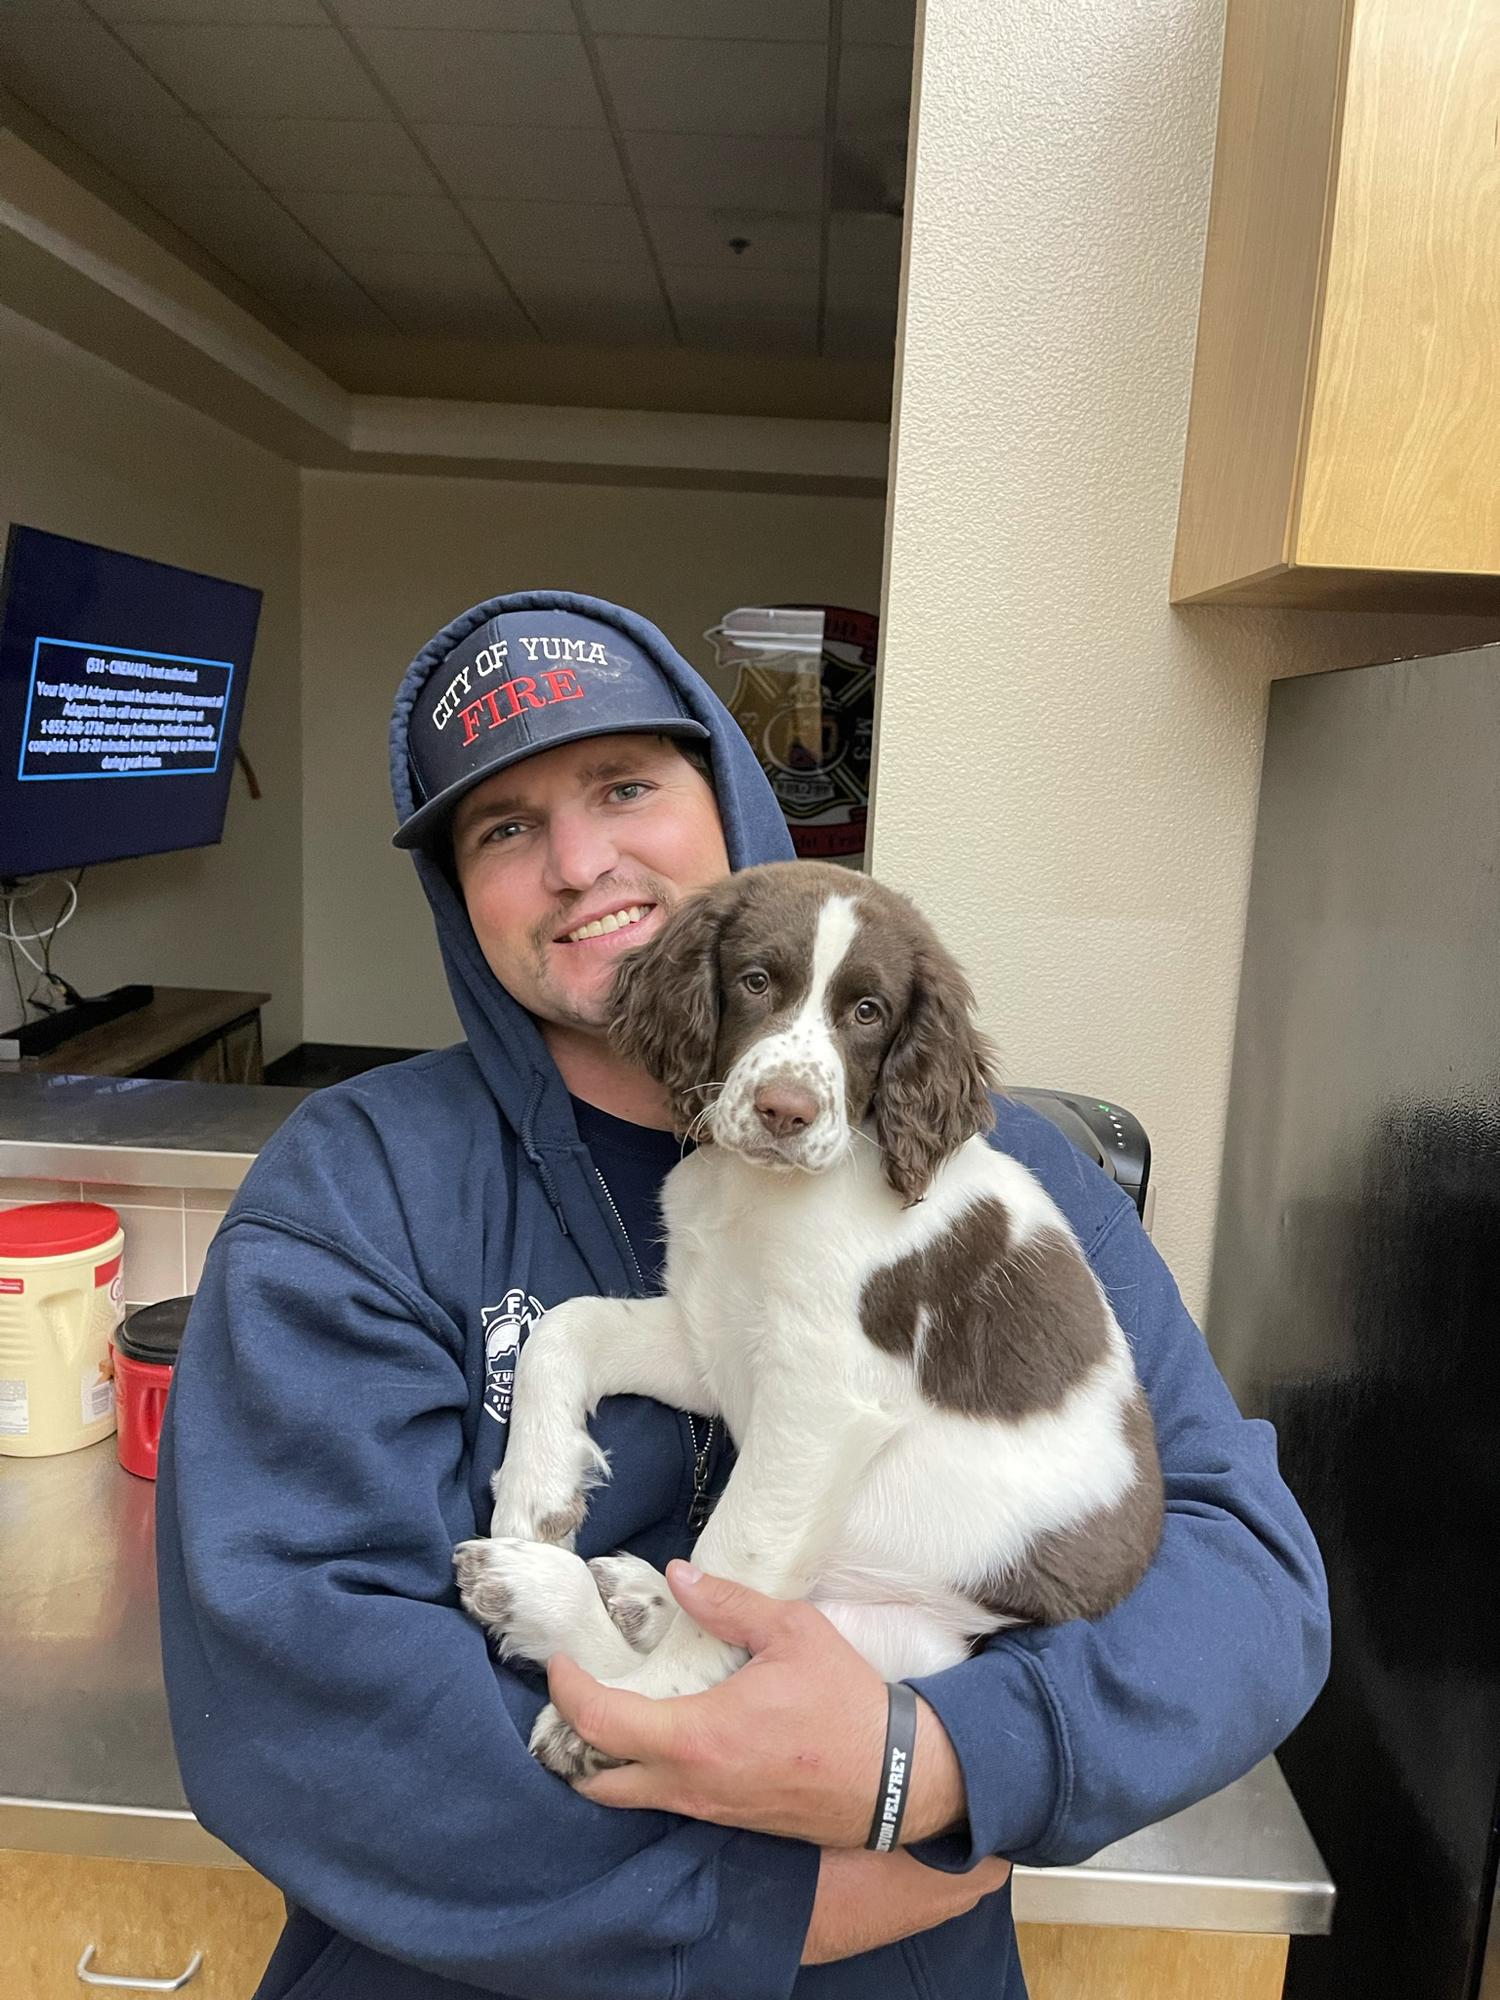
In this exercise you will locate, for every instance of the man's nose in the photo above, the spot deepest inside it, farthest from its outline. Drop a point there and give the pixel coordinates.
(785, 1109)
(580, 849)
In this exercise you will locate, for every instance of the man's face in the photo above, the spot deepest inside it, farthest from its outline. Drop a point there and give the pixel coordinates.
(599, 829)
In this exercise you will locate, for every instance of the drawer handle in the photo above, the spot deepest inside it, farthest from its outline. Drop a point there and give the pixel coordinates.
(136, 1985)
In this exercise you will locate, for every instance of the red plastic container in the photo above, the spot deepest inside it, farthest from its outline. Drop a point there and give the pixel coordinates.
(145, 1347)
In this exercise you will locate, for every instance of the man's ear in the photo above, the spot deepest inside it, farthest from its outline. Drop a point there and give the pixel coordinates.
(664, 1005)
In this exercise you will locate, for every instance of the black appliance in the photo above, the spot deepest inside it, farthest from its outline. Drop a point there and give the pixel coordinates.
(1354, 1290)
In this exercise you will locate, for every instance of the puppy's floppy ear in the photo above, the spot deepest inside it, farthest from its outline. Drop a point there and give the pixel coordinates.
(664, 1004)
(932, 1092)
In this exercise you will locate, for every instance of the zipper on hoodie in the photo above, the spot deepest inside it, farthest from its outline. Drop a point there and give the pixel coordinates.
(698, 1509)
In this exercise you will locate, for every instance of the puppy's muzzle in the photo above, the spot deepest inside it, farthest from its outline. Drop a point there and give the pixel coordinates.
(784, 1109)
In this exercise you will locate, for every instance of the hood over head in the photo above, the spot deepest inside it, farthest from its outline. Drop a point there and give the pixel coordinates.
(426, 773)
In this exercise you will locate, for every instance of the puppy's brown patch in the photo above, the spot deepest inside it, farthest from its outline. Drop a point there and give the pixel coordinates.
(1006, 1330)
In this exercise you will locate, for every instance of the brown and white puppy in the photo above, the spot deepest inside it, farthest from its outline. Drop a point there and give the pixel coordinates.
(939, 1427)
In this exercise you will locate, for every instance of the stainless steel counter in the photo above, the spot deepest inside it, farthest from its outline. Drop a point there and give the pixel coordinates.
(131, 1129)
(86, 1762)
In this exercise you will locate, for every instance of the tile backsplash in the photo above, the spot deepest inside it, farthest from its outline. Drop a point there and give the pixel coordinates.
(167, 1230)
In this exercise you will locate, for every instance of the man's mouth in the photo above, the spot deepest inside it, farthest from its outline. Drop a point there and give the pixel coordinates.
(612, 920)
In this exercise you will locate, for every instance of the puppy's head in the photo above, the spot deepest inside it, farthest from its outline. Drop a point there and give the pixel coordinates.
(785, 1006)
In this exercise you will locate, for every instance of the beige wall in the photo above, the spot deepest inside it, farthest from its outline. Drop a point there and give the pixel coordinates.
(1067, 768)
(387, 560)
(85, 450)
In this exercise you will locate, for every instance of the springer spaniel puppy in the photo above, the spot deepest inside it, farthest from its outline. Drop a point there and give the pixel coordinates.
(939, 1427)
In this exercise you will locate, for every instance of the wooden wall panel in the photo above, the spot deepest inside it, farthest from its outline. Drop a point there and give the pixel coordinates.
(1076, 1962)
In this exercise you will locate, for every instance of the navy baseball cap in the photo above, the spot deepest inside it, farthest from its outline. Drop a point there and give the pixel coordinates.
(522, 682)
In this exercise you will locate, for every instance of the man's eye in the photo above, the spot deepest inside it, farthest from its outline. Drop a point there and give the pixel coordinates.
(756, 981)
(632, 789)
(505, 829)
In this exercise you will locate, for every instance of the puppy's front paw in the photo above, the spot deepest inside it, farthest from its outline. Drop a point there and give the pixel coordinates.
(636, 1597)
(557, 1745)
(536, 1503)
(531, 1597)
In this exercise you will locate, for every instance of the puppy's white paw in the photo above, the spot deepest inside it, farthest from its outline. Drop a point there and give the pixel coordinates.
(546, 1502)
(531, 1597)
(636, 1597)
(558, 1746)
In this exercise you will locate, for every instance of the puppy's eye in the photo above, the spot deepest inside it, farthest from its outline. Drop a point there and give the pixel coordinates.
(756, 981)
(868, 1012)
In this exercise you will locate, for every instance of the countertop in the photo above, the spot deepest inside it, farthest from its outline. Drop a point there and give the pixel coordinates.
(132, 1129)
(86, 1761)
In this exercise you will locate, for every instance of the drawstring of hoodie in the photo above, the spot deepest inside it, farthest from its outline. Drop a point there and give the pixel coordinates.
(537, 1158)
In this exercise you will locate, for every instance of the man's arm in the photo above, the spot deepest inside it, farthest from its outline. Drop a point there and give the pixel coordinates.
(339, 1722)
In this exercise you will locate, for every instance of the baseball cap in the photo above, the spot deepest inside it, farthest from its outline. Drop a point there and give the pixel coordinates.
(523, 682)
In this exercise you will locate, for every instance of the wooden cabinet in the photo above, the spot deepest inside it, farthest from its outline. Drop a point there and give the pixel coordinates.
(1084, 1962)
(145, 1920)
(1345, 418)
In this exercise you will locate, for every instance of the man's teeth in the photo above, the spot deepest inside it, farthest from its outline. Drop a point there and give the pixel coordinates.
(616, 921)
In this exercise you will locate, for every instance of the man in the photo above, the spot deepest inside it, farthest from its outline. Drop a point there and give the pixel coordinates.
(341, 1403)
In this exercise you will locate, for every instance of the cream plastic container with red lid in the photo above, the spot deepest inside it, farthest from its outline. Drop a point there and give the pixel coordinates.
(60, 1301)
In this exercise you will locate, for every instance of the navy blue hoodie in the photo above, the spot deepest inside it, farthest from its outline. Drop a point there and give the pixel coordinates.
(339, 1407)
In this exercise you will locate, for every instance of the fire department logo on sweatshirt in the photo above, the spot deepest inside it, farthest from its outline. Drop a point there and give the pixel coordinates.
(505, 1327)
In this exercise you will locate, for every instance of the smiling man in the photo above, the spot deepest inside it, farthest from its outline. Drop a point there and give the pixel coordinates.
(342, 1401)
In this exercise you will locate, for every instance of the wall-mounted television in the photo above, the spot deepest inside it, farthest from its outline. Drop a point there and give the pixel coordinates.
(122, 683)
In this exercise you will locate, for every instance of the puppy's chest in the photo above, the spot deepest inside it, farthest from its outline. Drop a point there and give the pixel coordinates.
(766, 1296)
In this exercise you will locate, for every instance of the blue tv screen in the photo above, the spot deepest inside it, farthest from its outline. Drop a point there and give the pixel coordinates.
(122, 682)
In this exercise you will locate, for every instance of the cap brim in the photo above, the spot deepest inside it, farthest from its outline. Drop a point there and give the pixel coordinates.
(432, 817)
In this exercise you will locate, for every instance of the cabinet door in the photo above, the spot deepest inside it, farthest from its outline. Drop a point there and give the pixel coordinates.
(1101, 1962)
(144, 1920)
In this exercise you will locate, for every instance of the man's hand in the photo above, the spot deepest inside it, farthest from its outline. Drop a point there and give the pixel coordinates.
(868, 1900)
(791, 1744)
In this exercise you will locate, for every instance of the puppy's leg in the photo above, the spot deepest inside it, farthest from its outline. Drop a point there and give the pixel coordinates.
(577, 1354)
(800, 1461)
(534, 1600)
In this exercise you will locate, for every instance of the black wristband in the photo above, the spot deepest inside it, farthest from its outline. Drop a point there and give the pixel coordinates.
(895, 1771)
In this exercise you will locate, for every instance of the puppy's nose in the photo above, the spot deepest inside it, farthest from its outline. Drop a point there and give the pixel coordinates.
(784, 1109)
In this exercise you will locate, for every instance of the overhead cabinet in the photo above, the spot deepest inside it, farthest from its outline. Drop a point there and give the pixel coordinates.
(1344, 439)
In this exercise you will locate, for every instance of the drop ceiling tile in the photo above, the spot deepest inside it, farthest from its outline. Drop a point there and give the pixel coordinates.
(890, 21)
(440, 274)
(586, 232)
(514, 17)
(42, 10)
(453, 309)
(492, 79)
(714, 287)
(860, 335)
(519, 163)
(605, 323)
(769, 89)
(219, 13)
(874, 91)
(865, 243)
(677, 169)
(771, 20)
(247, 231)
(336, 306)
(588, 285)
(743, 330)
(773, 240)
(268, 72)
(56, 65)
(329, 155)
(157, 152)
(351, 224)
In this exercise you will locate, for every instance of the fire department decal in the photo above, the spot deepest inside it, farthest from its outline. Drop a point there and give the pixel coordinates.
(505, 1327)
